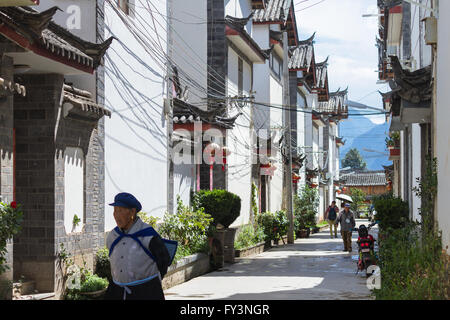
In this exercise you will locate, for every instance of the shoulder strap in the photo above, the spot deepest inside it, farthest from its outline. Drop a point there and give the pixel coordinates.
(116, 241)
(147, 232)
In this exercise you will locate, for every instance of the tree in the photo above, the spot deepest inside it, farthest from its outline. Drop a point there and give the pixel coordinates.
(358, 197)
(354, 160)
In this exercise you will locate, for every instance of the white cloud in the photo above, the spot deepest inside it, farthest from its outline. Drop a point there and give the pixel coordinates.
(378, 119)
(349, 39)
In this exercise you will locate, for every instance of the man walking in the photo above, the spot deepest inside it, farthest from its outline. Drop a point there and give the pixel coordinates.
(330, 216)
(348, 223)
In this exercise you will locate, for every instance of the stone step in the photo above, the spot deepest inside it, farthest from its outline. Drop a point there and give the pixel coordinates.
(37, 296)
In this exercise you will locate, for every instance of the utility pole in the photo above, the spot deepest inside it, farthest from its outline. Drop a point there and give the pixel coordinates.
(288, 140)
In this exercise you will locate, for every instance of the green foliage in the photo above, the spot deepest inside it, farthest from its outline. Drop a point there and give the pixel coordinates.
(150, 220)
(274, 225)
(412, 267)
(102, 264)
(358, 197)
(254, 204)
(413, 264)
(393, 140)
(93, 283)
(427, 192)
(392, 213)
(187, 226)
(10, 220)
(249, 236)
(354, 160)
(75, 221)
(223, 206)
(306, 205)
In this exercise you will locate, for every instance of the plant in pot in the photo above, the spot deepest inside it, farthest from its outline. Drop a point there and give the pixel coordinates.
(224, 207)
(306, 205)
(266, 220)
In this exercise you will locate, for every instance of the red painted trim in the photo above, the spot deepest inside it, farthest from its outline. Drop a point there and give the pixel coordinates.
(24, 43)
(14, 164)
(190, 127)
(268, 22)
(294, 24)
(396, 9)
(273, 41)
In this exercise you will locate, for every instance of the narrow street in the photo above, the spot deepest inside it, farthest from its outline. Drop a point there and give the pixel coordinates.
(312, 268)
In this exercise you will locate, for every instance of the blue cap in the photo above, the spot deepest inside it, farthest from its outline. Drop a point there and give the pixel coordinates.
(126, 200)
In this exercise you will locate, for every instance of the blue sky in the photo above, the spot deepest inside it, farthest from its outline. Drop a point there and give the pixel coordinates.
(349, 39)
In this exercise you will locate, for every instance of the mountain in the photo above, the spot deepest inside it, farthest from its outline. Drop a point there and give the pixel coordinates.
(368, 137)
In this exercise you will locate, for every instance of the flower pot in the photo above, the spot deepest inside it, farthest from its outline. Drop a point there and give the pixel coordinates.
(303, 233)
(94, 294)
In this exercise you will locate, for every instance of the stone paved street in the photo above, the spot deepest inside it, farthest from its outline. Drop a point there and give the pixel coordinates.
(313, 268)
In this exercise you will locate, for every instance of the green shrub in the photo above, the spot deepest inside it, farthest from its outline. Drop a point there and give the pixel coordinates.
(249, 236)
(274, 225)
(187, 226)
(102, 264)
(150, 220)
(223, 206)
(392, 213)
(11, 217)
(306, 205)
(412, 267)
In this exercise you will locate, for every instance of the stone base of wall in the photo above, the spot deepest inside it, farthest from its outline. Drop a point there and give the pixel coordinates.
(41, 272)
(252, 251)
(186, 269)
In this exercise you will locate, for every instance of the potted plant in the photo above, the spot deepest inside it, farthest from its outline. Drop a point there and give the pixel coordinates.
(305, 210)
(224, 207)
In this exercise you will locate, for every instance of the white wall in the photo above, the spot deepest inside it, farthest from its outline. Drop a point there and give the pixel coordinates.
(189, 46)
(301, 105)
(276, 123)
(442, 133)
(73, 188)
(135, 136)
(239, 141)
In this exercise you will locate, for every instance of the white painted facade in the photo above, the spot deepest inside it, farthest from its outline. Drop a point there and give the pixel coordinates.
(441, 116)
(135, 136)
(239, 138)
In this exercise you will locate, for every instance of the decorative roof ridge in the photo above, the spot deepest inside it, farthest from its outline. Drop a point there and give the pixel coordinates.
(308, 41)
(323, 63)
(339, 92)
(239, 22)
(36, 21)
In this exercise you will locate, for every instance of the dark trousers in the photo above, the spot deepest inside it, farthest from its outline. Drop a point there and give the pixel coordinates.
(347, 238)
(151, 290)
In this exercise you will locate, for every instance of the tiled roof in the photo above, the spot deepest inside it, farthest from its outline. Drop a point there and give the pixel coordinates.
(39, 31)
(275, 11)
(369, 178)
(337, 104)
(10, 87)
(302, 55)
(84, 107)
(321, 74)
(184, 112)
